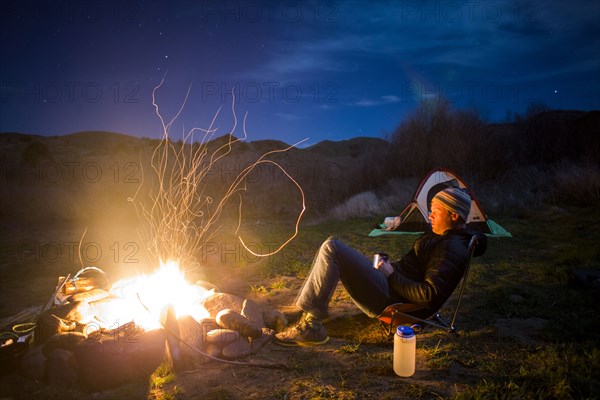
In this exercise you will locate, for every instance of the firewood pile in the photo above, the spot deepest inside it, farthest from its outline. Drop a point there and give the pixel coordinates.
(64, 345)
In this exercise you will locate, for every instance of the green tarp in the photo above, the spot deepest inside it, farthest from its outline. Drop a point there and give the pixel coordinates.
(495, 229)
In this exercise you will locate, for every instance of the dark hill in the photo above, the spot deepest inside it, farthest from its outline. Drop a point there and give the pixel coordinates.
(351, 147)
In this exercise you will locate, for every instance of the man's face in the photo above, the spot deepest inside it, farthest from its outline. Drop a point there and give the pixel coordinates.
(441, 219)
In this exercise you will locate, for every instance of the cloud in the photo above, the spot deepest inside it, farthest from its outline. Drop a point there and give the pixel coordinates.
(288, 116)
(383, 100)
(470, 38)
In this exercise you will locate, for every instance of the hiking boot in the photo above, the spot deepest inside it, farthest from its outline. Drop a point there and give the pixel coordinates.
(302, 335)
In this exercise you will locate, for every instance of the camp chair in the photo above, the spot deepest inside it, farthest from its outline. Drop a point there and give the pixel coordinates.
(395, 313)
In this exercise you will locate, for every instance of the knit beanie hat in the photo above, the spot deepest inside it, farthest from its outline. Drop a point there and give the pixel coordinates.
(455, 200)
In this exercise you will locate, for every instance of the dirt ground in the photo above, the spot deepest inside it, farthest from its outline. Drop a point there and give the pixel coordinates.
(511, 341)
(356, 363)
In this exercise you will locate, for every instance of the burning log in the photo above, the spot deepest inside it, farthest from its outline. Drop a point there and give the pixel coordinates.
(65, 341)
(63, 318)
(68, 287)
(89, 296)
(76, 337)
(101, 338)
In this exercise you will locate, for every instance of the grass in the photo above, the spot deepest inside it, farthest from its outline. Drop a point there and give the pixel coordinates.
(518, 279)
(161, 377)
(278, 284)
(349, 348)
(524, 333)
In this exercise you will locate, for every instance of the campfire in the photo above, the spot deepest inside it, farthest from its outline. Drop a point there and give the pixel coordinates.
(99, 335)
(143, 299)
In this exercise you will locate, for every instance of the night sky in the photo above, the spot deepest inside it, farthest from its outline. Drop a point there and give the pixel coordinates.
(300, 69)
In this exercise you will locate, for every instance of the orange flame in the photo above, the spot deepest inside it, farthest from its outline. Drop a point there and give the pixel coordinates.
(143, 299)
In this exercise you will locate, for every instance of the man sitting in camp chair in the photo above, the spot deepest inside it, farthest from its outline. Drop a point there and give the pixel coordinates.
(426, 276)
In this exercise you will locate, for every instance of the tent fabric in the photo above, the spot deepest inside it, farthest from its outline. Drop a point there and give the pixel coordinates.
(414, 219)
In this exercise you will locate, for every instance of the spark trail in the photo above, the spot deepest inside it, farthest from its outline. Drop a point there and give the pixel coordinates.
(180, 212)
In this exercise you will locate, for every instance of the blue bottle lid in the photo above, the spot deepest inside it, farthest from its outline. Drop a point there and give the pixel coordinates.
(405, 332)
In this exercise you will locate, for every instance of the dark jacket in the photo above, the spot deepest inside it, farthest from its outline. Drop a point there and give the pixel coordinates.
(428, 274)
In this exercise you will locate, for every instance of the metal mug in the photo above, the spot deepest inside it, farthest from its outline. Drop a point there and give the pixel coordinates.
(378, 257)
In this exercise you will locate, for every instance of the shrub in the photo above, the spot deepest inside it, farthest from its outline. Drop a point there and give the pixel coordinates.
(435, 135)
(35, 152)
(388, 201)
(577, 184)
(359, 205)
(532, 186)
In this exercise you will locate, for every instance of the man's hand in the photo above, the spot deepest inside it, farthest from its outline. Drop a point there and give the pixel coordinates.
(385, 267)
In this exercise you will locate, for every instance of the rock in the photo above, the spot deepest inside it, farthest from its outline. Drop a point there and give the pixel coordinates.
(33, 363)
(191, 333)
(237, 350)
(222, 337)
(516, 298)
(221, 301)
(214, 350)
(16, 386)
(579, 278)
(11, 354)
(230, 319)
(207, 325)
(61, 367)
(252, 311)
(275, 320)
(173, 349)
(108, 361)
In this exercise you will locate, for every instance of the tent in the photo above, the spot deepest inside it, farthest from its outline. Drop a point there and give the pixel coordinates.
(414, 218)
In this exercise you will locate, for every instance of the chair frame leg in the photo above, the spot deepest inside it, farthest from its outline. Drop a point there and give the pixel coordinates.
(440, 322)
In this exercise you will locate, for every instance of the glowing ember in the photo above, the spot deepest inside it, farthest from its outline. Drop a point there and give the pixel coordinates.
(143, 299)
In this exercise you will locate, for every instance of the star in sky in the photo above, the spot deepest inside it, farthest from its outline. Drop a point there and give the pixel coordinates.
(340, 68)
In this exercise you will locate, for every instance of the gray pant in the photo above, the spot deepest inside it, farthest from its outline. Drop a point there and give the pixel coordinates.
(335, 261)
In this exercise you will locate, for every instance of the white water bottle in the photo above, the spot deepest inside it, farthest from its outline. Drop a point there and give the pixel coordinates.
(405, 345)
